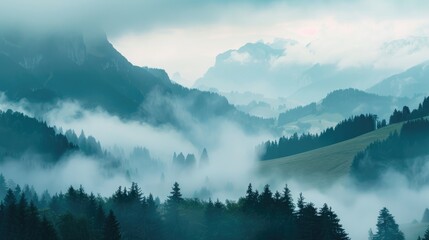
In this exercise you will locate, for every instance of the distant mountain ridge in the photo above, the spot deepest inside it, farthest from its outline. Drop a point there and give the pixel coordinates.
(84, 66)
(348, 102)
(272, 70)
(414, 81)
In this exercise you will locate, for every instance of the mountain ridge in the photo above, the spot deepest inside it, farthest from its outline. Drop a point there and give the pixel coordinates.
(409, 83)
(87, 68)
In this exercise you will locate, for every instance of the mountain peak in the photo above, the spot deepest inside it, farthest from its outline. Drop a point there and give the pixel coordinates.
(409, 83)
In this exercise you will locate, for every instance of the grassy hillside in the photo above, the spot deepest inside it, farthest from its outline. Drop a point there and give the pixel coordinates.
(325, 165)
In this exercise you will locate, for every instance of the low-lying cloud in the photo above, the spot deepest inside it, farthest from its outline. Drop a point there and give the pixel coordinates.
(232, 166)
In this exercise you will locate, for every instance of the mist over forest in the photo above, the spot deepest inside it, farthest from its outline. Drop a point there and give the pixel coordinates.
(155, 120)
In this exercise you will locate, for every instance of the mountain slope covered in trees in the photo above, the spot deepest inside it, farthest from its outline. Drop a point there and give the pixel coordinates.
(371, 154)
(404, 152)
(346, 102)
(346, 129)
(326, 165)
(20, 134)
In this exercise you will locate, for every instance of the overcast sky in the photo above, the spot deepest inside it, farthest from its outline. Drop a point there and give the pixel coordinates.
(185, 36)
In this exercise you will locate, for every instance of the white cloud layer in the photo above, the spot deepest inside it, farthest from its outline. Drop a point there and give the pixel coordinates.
(333, 36)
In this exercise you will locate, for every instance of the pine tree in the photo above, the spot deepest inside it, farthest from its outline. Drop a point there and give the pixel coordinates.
(173, 215)
(387, 229)
(250, 200)
(47, 231)
(111, 228)
(11, 229)
(331, 228)
(135, 194)
(152, 220)
(17, 191)
(3, 187)
(190, 161)
(426, 236)
(210, 230)
(308, 224)
(300, 204)
(33, 221)
(10, 198)
(266, 200)
(283, 216)
(287, 202)
(175, 196)
(71, 228)
(22, 215)
(204, 158)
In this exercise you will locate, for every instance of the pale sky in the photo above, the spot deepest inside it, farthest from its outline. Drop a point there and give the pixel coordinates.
(347, 34)
(190, 51)
(185, 36)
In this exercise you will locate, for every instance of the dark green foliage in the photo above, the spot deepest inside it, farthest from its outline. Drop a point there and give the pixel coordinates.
(387, 227)
(3, 186)
(331, 228)
(406, 114)
(176, 196)
(88, 145)
(47, 231)
(21, 221)
(347, 129)
(381, 124)
(173, 214)
(111, 229)
(297, 113)
(426, 235)
(71, 227)
(78, 215)
(138, 215)
(403, 152)
(20, 133)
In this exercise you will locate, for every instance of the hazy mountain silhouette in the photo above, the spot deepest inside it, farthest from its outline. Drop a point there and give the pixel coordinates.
(348, 102)
(44, 67)
(412, 82)
(268, 69)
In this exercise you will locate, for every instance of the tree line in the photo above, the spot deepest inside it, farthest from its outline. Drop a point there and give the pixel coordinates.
(20, 133)
(190, 161)
(402, 152)
(400, 116)
(346, 129)
(129, 214)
